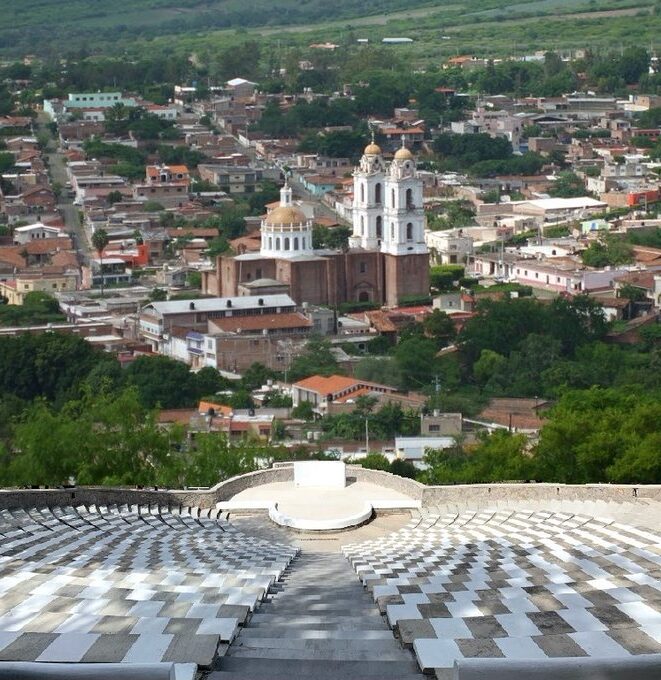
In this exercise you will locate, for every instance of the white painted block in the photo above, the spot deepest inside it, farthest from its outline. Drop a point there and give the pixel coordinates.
(329, 474)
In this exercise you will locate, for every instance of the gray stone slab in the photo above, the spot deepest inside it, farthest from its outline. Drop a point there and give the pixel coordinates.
(482, 648)
(199, 649)
(27, 647)
(635, 641)
(558, 646)
(412, 629)
(485, 627)
(110, 648)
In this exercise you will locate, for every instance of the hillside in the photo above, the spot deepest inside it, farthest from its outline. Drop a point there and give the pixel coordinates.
(30, 25)
(79, 27)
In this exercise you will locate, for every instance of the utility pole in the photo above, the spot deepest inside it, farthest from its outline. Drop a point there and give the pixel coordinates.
(367, 435)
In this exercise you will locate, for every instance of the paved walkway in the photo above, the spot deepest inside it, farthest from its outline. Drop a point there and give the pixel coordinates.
(319, 623)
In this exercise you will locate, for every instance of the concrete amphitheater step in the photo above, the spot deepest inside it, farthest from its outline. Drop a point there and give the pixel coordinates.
(318, 622)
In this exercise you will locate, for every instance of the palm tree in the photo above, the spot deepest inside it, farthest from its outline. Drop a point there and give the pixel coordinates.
(100, 240)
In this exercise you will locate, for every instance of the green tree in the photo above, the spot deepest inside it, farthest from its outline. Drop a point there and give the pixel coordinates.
(316, 359)
(416, 358)
(103, 438)
(567, 185)
(161, 381)
(611, 250)
(438, 326)
(100, 240)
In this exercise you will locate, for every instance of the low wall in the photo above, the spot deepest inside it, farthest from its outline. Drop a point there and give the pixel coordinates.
(473, 495)
(408, 487)
(485, 494)
(643, 667)
(17, 670)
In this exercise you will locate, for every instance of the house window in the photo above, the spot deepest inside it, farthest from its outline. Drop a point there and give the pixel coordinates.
(409, 199)
(409, 231)
(377, 193)
(434, 428)
(287, 243)
(303, 243)
(363, 267)
(277, 244)
(296, 243)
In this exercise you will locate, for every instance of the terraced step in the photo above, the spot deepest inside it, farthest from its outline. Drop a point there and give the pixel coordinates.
(318, 623)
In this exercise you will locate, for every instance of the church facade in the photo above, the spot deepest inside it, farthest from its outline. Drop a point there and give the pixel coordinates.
(387, 259)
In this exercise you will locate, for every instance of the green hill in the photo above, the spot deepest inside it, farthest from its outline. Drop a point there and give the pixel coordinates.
(78, 27)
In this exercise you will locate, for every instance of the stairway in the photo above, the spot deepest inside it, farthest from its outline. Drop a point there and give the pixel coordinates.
(317, 623)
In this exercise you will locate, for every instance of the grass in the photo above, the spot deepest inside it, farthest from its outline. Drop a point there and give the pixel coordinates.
(482, 27)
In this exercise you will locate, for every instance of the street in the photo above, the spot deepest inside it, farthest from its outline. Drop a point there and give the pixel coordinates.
(70, 213)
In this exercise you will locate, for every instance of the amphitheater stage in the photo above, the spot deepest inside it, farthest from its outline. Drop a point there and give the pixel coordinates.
(320, 508)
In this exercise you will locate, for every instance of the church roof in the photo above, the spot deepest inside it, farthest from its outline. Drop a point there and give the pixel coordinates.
(286, 215)
(372, 149)
(403, 154)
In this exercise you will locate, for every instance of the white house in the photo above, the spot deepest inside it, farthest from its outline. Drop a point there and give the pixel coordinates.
(32, 232)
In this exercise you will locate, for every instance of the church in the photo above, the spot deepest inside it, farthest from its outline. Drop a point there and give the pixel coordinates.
(386, 261)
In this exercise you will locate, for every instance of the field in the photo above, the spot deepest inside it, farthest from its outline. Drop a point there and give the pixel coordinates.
(439, 30)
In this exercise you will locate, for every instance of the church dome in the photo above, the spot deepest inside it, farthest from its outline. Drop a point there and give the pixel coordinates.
(403, 154)
(286, 215)
(372, 149)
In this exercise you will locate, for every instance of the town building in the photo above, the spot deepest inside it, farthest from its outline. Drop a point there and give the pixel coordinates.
(387, 259)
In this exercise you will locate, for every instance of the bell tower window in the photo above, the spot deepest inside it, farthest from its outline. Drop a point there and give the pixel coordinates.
(409, 231)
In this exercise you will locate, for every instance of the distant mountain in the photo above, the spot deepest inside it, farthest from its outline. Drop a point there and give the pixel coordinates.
(36, 26)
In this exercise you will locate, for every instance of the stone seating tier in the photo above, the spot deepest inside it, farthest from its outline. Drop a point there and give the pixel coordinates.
(506, 584)
(125, 584)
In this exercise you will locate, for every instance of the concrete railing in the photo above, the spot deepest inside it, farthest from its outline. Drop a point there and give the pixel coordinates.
(16, 670)
(462, 495)
(643, 667)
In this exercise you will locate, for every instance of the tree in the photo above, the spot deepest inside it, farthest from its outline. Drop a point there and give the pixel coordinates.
(51, 365)
(161, 381)
(416, 357)
(438, 326)
(374, 461)
(100, 240)
(316, 359)
(601, 435)
(157, 295)
(611, 250)
(114, 197)
(103, 438)
(567, 185)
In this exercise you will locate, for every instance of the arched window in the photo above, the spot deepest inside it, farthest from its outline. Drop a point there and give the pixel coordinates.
(362, 193)
(362, 225)
(287, 243)
(392, 197)
(377, 193)
(295, 242)
(270, 243)
(409, 198)
(392, 231)
(409, 231)
(303, 243)
(379, 226)
(277, 243)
